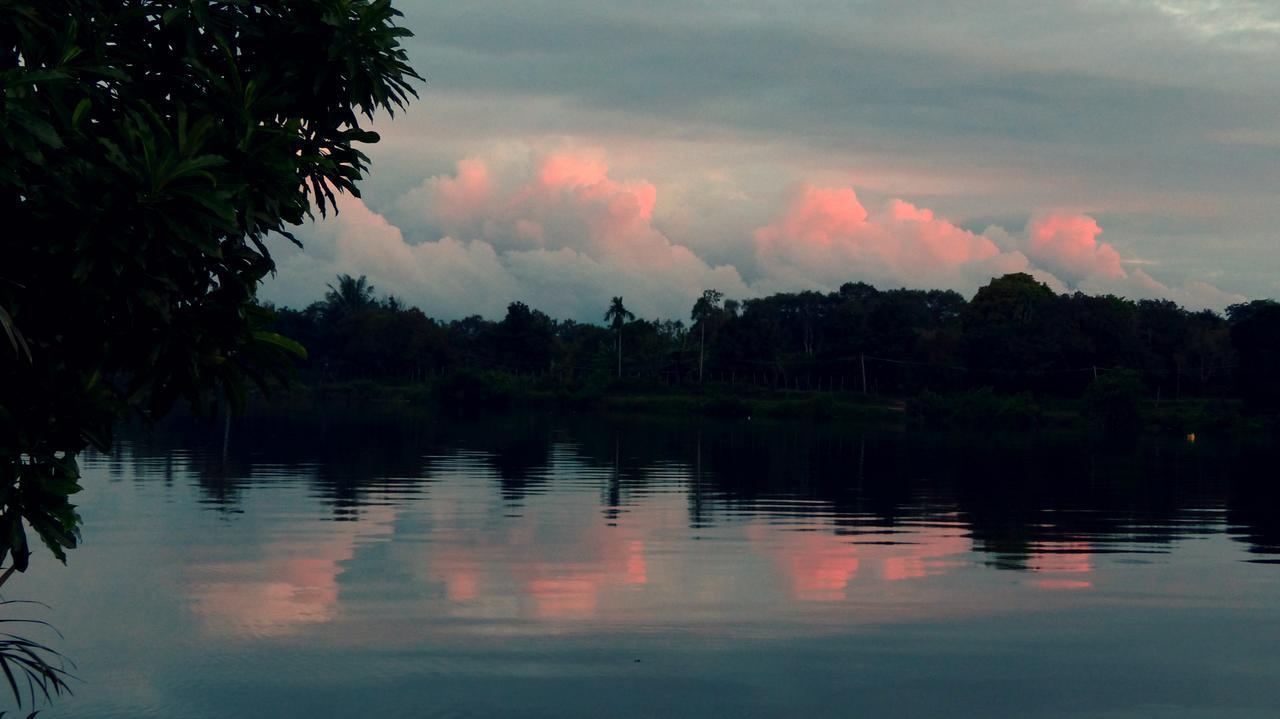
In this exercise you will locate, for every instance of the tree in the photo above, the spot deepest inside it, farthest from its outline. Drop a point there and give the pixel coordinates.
(1008, 328)
(147, 151)
(525, 339)
(1112, 400)
(705, 309)
(351, 295)
(617, 315)
(1255, 333)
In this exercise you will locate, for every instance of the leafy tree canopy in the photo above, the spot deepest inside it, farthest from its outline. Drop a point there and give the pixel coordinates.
(1255, 331)
(147, 151)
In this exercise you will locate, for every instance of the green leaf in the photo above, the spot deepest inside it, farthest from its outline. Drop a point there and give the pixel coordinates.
(78, 114)
(15, 337)
(18, 542)
(38, 127)
(280, 341)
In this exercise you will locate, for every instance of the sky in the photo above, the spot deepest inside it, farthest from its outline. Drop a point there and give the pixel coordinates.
(565, 152)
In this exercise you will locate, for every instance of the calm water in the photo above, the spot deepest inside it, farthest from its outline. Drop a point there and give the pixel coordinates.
(353, 563)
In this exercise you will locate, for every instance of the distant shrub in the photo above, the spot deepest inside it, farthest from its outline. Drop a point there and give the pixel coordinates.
(1199, 416)
(980, 409)
(1112, 401)
(467, 389)
(725, 406)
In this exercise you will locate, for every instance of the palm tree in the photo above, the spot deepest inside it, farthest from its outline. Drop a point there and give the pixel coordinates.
(707, 306)
(351, 295)
(618, 315)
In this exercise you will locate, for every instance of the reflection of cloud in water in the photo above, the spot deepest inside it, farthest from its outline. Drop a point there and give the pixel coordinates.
(293, 585)
(569, 591)
(565, 597)
(566, 585)
(819, 565)
(1064, 563)
(557, 564)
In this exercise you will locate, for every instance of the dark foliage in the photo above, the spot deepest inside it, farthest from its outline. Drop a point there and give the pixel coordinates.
(147, 149)
(1112, 401)
(1255, 332)
(991, 356)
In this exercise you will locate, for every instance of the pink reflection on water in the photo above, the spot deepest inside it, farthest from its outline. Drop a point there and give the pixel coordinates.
(560, 579)
(571, 589)
(1063, 562)
(637, 568)
(820, 565)
(291, 585)
(565, 598)
(559, 564)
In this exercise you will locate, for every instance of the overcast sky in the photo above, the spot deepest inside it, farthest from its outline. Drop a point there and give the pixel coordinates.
(565, 152)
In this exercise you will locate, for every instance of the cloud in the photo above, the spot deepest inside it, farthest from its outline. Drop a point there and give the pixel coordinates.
(556, 232)
(1068, 246)
(1148, 112)
(553, 201)
(449, 276)
(561, 232)
(1194, 294)
(826, 237)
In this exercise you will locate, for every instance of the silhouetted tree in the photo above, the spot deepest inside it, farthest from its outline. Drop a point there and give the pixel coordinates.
(1016, 334)
(1008, 329)
(1255, 333)
(350, 295)
(705, 310)
(617, 315)
(524, 339)
(147, 150)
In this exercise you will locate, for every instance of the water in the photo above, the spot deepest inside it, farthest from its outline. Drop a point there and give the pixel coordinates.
(344, 562)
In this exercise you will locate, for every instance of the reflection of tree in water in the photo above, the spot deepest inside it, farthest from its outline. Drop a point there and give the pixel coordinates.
(1019, 495)
(619, 451)
(1015, 494)
(517, 447)
(1254, 504)
(349, 454)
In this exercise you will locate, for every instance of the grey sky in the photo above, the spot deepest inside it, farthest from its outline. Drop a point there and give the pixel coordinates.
(1158, 118)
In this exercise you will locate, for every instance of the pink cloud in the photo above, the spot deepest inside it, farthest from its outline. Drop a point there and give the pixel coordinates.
(827, 236)
(564, 232)
(561, 200)
(570, 189)
(1068, 246)
(464, 194)
(819, 215)
(569, 170)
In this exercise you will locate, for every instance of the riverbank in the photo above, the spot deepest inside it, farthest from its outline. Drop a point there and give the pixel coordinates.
(466, 391)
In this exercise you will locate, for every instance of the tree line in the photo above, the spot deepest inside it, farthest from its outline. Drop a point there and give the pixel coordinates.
(1014, 334)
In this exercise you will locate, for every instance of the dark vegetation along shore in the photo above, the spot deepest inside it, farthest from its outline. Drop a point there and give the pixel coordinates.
(1015, 355)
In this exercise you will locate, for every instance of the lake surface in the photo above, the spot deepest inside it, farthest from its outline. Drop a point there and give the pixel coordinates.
(346, 562)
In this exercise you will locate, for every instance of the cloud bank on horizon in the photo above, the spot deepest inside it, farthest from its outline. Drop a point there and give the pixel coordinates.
(565, 151)
(561, 234)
